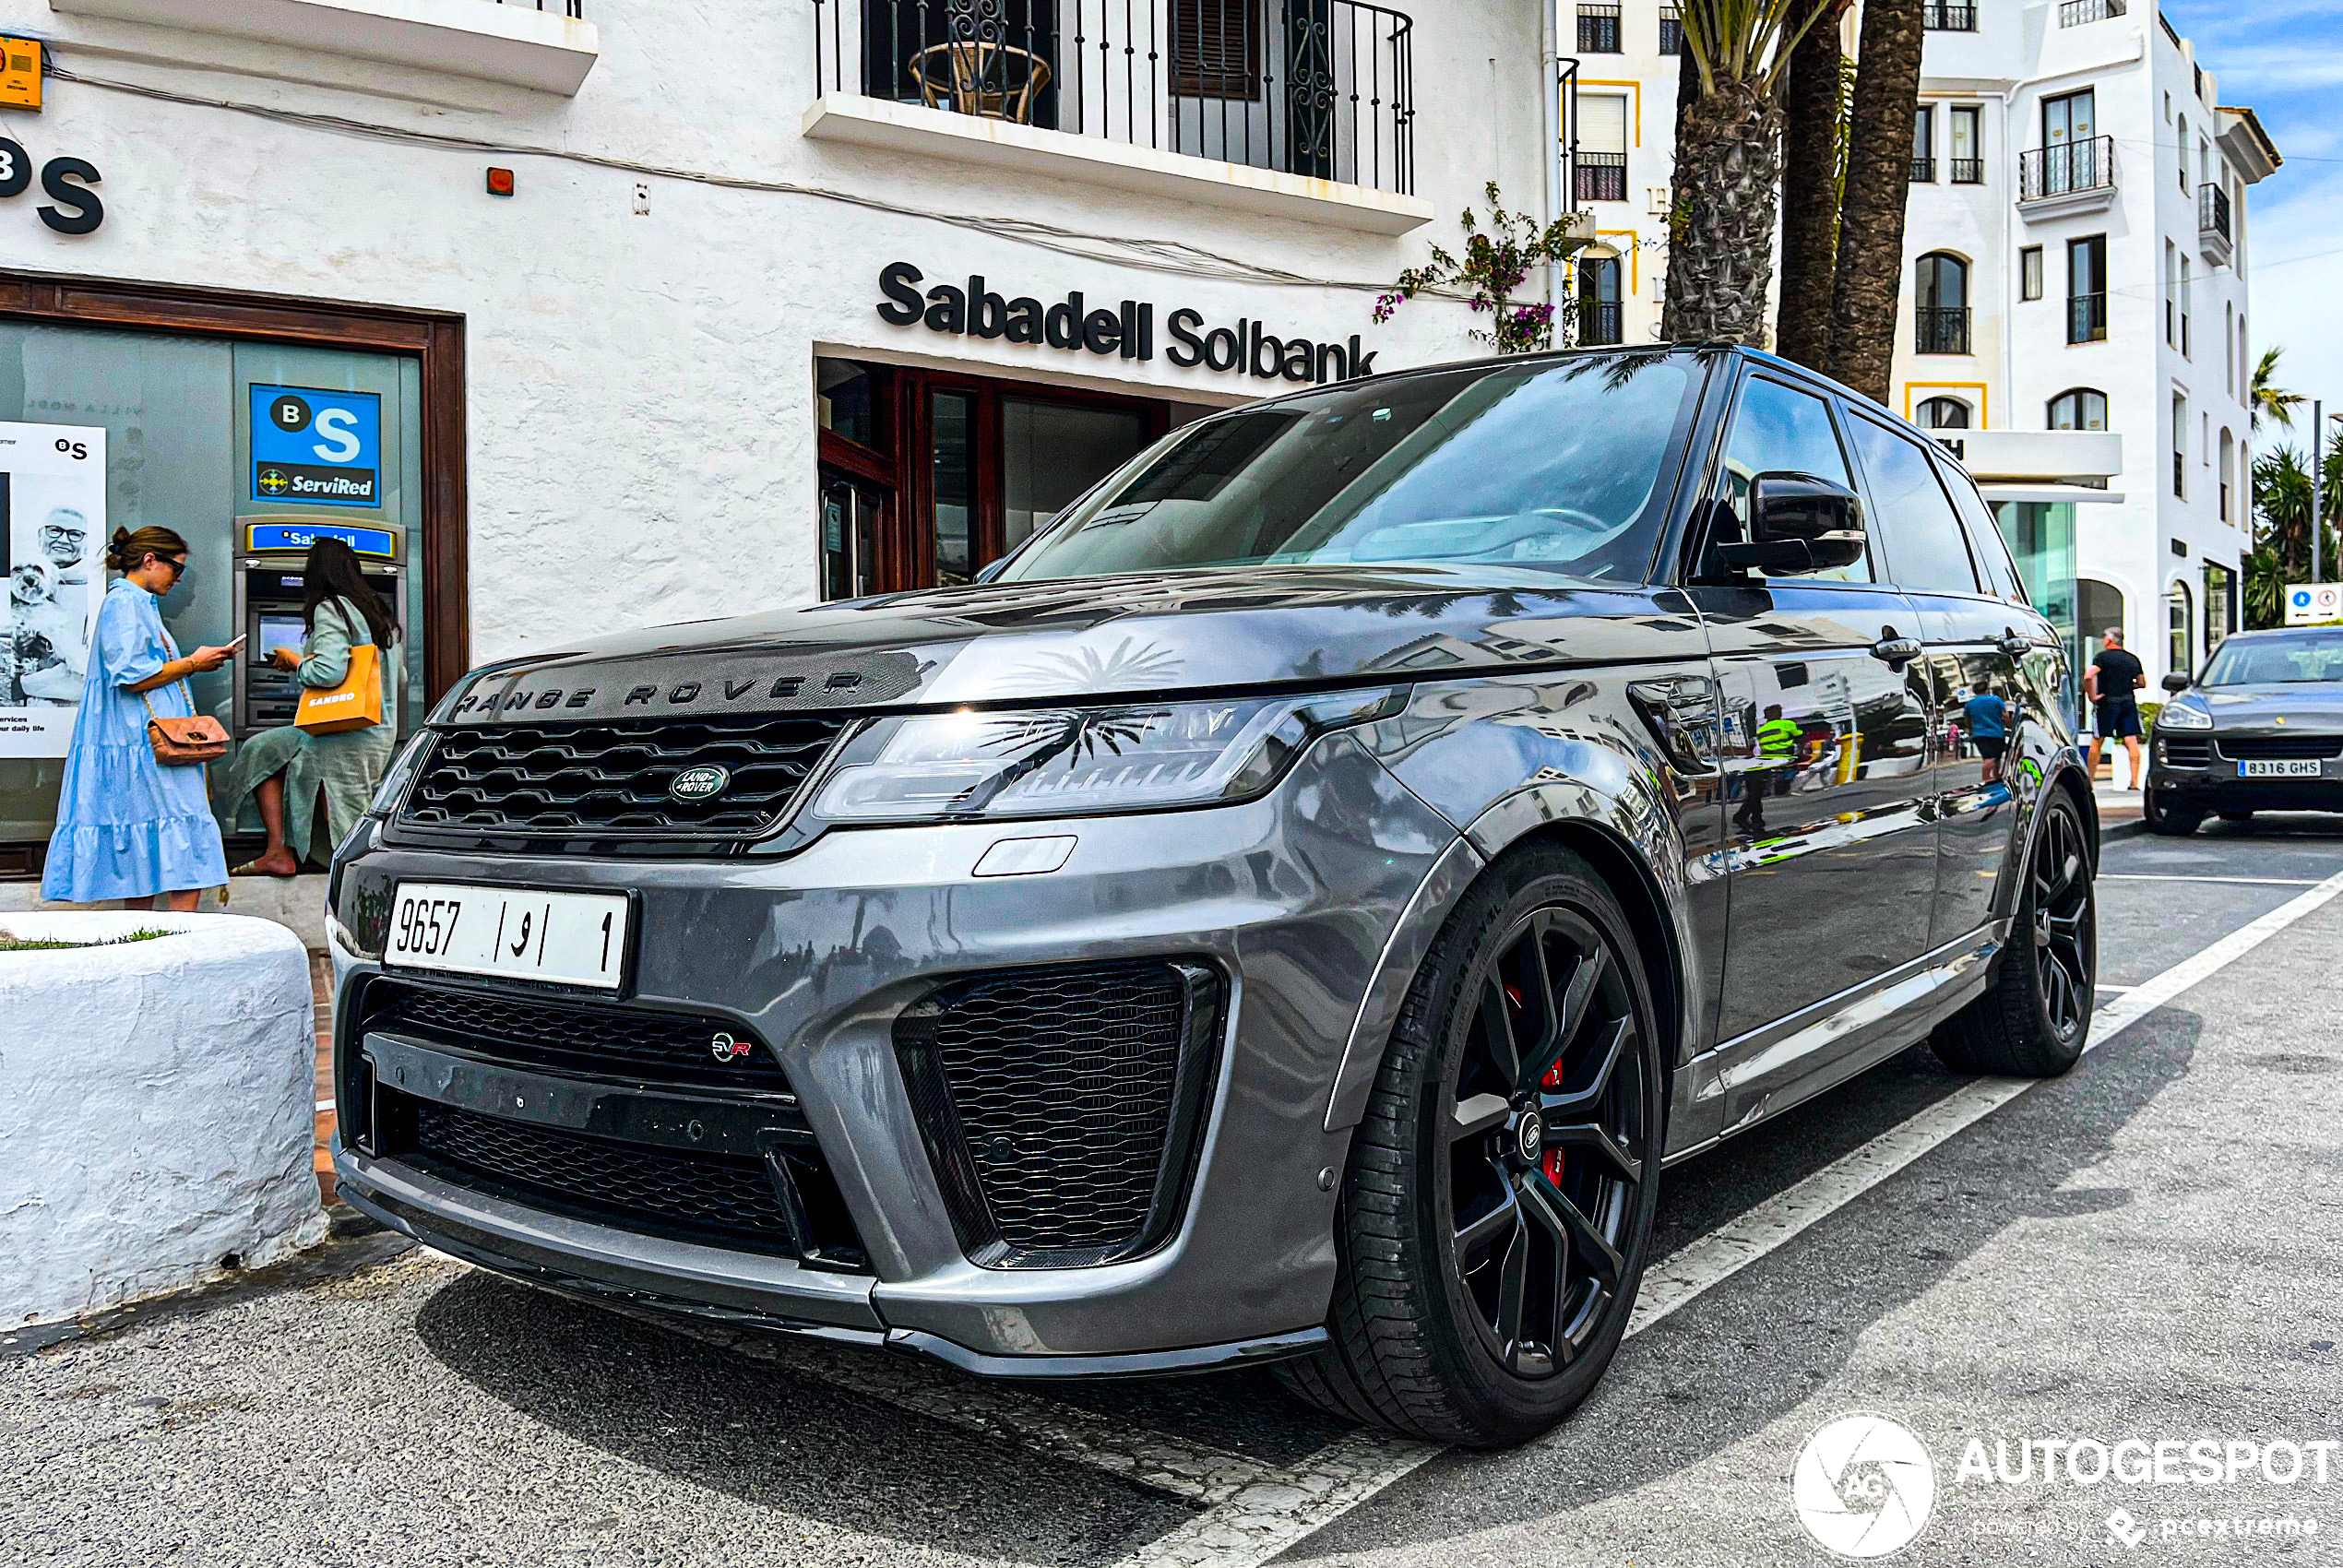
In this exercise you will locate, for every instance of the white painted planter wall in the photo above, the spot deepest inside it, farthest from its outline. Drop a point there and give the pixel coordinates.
(156, 1108)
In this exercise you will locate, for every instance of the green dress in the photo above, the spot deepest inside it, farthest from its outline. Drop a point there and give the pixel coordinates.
(344, 769)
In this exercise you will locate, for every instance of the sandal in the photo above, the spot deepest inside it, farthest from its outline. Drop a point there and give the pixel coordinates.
(252, 868)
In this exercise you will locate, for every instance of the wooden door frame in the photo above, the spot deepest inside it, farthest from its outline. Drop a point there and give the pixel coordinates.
(434, 338)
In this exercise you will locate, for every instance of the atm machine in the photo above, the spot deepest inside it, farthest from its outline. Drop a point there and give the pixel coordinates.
(267, 601)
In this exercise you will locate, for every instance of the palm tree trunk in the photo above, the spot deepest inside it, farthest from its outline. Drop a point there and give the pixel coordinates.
(1863, 318)
(1810, 191)
(1720, 251)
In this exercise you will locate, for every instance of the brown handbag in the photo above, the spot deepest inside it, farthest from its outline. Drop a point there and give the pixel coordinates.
(184, 743)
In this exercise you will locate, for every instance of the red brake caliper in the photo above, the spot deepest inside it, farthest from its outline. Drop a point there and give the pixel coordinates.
(1553, 1162)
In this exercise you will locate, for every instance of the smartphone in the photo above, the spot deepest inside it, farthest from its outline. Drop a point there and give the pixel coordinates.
(234, 645)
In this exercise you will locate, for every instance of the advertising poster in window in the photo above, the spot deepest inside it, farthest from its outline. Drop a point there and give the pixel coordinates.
(53, 534)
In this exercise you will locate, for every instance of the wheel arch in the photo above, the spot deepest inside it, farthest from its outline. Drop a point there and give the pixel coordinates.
(2066, 777)
(1626, 847)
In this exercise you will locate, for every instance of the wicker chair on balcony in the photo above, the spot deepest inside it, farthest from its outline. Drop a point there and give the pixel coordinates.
(996, 80)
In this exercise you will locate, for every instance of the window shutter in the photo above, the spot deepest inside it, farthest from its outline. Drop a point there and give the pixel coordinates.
(1216, 48)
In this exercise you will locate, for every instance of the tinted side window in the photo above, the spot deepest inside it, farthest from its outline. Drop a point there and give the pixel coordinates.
(1777, 429)
(1920, 532)
(1985, 540)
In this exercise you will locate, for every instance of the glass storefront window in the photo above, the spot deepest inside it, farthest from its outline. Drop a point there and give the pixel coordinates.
(954, 466)
(1051, 453)
(2041, 536)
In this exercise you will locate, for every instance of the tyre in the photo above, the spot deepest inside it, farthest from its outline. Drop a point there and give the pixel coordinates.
(2177, 823)
(1497, 1210)
(2035, 1015)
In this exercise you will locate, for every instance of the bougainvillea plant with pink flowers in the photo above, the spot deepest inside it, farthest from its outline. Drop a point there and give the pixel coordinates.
(1497, 260)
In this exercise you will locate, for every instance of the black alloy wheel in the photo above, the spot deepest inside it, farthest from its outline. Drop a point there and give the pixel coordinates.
(1545, 1142)
(2036, 1011)
(2065, 960)
(1502, 1188)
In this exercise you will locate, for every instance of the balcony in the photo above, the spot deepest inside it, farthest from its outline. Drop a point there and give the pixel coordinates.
(1940, 329)
(1302, 108)
(1599, 322)
(1966, 170)
(1941, 18)
(1598, 29)
(1923, 171)
(543, 44)
(2074, 13)
(1602, 176)
(2068, 179)
(2213, 225)
(2087, 318)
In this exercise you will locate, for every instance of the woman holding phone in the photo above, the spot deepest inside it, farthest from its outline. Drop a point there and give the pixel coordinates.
(289, 772)
(128, 827)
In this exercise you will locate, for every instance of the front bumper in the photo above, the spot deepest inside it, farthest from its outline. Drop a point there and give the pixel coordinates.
(2192, 771)
(1290, 897)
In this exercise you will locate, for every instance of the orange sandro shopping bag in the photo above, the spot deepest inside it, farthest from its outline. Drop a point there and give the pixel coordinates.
(353, 705)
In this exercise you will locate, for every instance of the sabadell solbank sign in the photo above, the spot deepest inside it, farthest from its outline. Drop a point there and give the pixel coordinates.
(1127, 330)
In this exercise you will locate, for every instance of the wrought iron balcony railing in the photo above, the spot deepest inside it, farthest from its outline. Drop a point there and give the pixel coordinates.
(1601, 176)
(1323, 89)
(1599, 322)
(1940, 329)
(574, 9)
(1966, 170)
(2087, 318)
(1947, 17)
(1923, 171)
(2213, 210)
(2066, 168)
(2074, 13)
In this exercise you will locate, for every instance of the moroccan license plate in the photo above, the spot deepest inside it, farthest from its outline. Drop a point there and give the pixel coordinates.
(569, 938)
(2290, 767)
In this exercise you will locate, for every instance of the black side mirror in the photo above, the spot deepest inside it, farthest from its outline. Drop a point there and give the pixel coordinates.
(2177, 682)
(1799, 523)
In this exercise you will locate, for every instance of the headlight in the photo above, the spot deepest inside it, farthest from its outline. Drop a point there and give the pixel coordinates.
(1071, 761)
(2183, 715)
(399, 775)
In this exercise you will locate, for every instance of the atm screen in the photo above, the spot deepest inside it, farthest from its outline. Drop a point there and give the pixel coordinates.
(276, 631)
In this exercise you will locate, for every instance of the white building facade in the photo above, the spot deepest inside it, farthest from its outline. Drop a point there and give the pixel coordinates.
(646, 312)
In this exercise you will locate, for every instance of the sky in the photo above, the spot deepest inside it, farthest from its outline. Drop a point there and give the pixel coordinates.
(2284, 59)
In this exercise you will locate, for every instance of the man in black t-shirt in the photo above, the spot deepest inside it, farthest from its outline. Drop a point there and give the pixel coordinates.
(2111, 681)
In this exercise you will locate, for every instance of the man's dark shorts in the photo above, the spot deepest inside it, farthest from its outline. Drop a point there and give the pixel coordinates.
(2119, 720)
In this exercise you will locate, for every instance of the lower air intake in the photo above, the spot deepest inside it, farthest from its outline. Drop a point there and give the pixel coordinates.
(1062, 1107)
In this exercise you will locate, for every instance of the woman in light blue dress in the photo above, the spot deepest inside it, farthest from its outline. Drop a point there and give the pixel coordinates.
(128, 827)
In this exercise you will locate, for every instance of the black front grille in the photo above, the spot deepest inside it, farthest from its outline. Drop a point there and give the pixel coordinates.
(2193, 752)
(587, 1037)
(573, 780)
(2272, 748)
(717, 1197)
(1061, 1107)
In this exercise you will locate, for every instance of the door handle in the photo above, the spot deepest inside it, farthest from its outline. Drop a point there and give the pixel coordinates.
(2015, 644)
(1896, 652)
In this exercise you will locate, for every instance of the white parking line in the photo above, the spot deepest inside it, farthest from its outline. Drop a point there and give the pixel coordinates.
(1274, 1512)
(2231, 881)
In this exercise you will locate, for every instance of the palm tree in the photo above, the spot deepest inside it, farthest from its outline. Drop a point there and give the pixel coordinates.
(1863, 318)
(1721, 212)
(2282, 502)
(2266, 397)
(1813, 152)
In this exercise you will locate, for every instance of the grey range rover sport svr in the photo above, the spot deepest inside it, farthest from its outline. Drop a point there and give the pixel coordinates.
(1290, 911)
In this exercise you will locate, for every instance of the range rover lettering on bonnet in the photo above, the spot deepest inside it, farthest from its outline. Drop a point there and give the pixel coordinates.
(649, 689)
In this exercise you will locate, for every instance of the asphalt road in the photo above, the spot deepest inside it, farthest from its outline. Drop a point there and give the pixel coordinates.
(2141, 1250)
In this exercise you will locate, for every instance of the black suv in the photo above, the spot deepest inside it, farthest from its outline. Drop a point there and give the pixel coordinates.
(1291, 912)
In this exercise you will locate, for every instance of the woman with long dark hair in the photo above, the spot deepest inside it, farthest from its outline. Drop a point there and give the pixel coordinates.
(128, 827)
(290, 773)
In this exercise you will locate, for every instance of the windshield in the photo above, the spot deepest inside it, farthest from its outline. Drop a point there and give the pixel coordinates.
(1552, 465)
(2271, 661)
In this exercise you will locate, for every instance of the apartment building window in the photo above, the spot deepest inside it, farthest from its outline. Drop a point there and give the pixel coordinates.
(1671, 31)
(2073, 157)
(2244, 363)
(1601, 160)
(1598, 29)
(2229, 474)
(1941, 314)
(2171, 295)
(1599, 304)
(2029, 273)
(2185, 298)
(2180, 445)
(2086, 289)
(2180, 618)
(2078, 408)
(1968, 150)
(2229, 362)
(1942, 413)
(1216, 49)
(1924, 145)
(1948, 16)
(2183, 152)
(2220, 606)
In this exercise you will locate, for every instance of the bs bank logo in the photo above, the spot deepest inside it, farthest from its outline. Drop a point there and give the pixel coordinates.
(1863, 1486)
